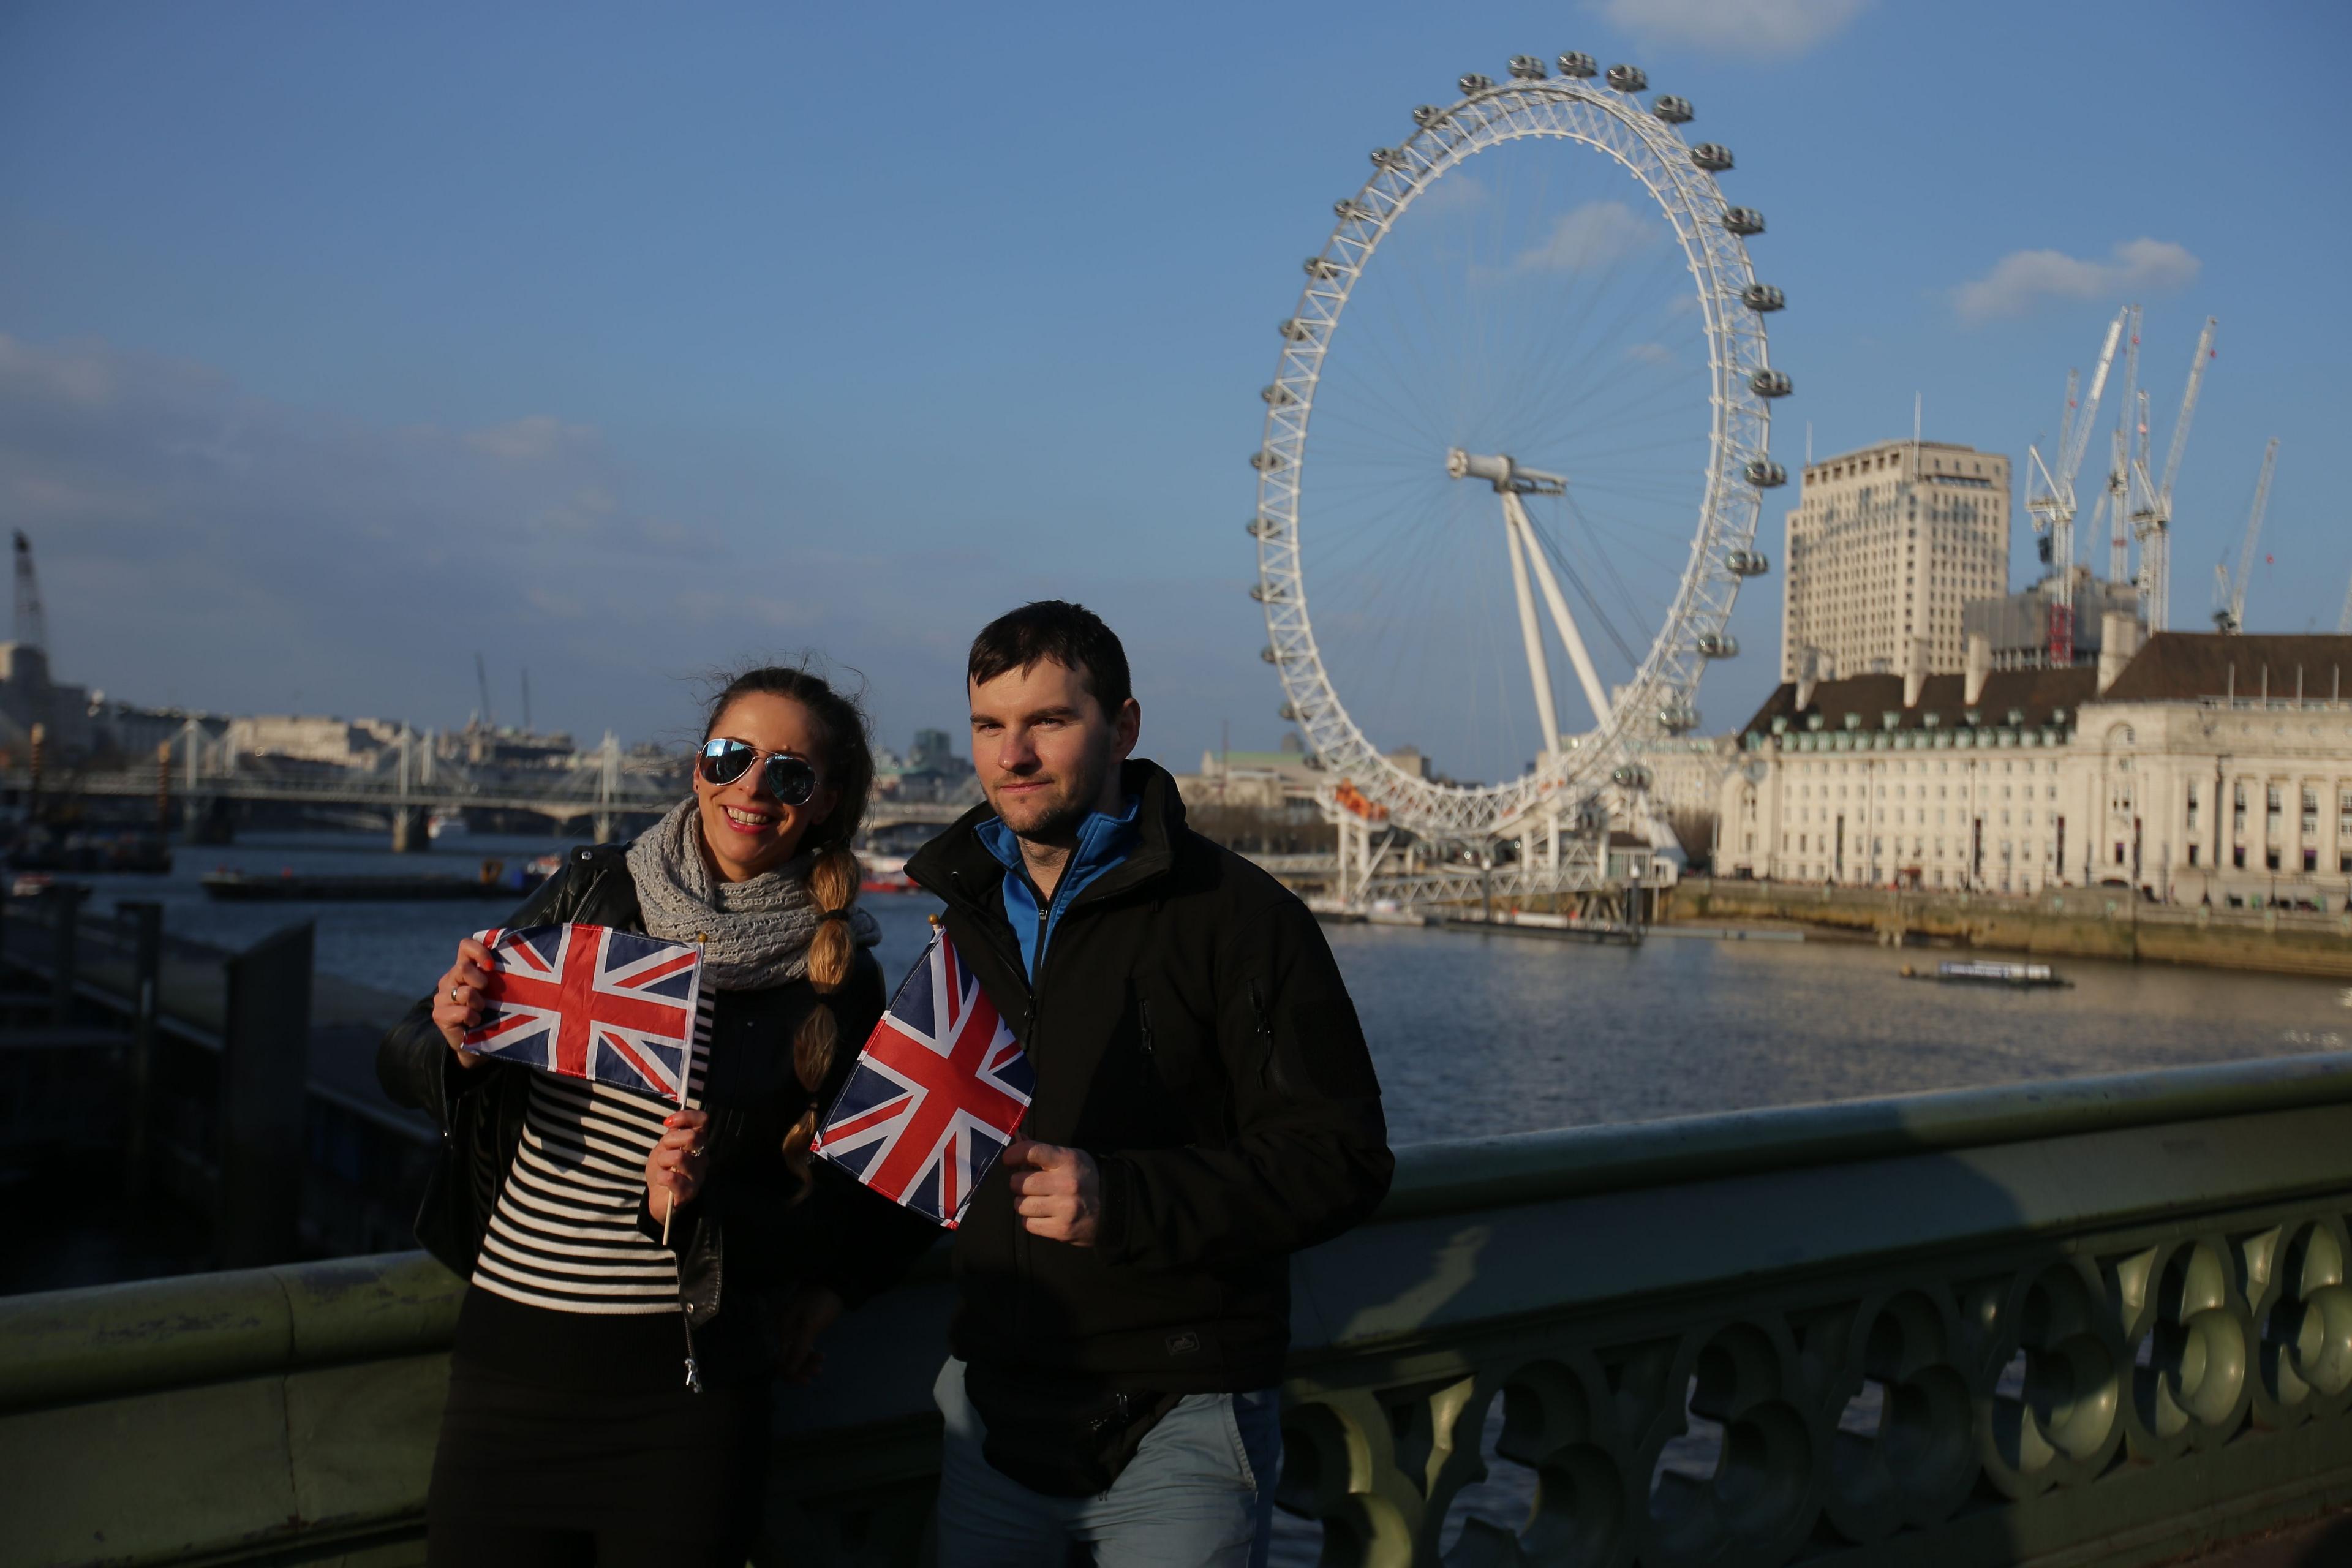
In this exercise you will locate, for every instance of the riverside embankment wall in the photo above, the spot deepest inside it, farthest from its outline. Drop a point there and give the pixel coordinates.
(2092, 922)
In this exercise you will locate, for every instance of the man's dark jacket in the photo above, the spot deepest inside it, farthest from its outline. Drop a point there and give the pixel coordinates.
(1190, 1031)
(749, 1232)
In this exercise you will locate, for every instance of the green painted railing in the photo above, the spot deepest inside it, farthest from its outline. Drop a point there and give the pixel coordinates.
(2097, 1321)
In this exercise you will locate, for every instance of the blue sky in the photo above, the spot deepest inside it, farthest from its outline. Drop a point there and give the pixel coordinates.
(337, 342)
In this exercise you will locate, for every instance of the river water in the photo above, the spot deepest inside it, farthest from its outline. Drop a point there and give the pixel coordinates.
(1477, 1034)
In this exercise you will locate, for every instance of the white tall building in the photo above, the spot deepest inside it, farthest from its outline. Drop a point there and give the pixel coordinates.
(1885, 546)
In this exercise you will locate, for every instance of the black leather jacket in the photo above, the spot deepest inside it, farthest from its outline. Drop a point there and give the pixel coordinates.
(744, 1228)
(1189, 1030)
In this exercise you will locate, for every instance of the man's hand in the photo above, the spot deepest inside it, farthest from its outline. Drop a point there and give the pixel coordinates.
(1057, 1192)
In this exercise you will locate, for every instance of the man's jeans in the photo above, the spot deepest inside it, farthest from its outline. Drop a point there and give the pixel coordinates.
(1198, 1494)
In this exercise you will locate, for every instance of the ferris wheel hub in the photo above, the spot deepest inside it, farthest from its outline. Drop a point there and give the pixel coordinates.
(1501, 472)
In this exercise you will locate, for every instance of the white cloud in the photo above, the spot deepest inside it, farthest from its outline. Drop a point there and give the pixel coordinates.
(1594, 235)
(1775, 29)
(528, 439)
(2023, 279)
(1454, 192)
(1650, 354)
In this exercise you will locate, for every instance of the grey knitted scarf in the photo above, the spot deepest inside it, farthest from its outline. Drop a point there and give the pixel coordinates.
(754, 934)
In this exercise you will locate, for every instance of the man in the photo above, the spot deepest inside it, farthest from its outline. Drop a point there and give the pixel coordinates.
(1204, 1108)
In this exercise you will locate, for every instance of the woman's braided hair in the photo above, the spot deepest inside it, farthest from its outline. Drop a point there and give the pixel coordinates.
(846, 767)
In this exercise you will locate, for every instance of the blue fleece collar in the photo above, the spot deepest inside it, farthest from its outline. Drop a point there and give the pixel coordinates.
(1104, 841)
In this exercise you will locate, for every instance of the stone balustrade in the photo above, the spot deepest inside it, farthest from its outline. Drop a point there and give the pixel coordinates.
(2091, 1322)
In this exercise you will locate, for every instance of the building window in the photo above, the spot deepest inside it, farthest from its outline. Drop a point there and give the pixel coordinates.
(2192, 854)
(2270, 859)
(2311, 860)
(2238, 856)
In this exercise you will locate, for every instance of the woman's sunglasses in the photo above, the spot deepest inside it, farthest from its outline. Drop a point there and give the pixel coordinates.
(792, 780)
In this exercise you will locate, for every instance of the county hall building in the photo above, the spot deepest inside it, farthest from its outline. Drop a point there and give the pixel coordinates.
(2186, 764)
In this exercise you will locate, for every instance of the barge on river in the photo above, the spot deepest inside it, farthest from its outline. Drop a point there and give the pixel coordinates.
(496, 880)
(1992, 972)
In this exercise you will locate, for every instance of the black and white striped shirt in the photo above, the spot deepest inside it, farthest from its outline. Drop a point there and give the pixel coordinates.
(563, 1234)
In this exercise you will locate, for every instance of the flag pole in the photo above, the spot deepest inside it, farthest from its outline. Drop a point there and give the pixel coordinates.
(693, 1027)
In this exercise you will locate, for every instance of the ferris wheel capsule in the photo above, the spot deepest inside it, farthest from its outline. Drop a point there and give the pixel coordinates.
(1767, 475)
(1276, 395)
(1389, 157)
(1712, 156)
(1582, 67)
(1473, 84)
(1263, 527)
(1628, 78)
(1771, 383)
(1427, 115)
(1320, 267)
(1747, 564)
(1744, 221)
(1527, 67)
(1678, 718)
(1266, 462)
(1719, 644)
(1762, 296)
(1630, 775)
(1672, 110)
(1297, 331)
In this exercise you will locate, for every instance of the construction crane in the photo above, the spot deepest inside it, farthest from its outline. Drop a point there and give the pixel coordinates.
(2115, 501)
(2230, 594)
(482, 680)
(2152, 520)
(2049, 497)
(32, 625)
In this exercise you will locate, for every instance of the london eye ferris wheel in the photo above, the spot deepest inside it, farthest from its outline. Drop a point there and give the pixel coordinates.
(1532, 359)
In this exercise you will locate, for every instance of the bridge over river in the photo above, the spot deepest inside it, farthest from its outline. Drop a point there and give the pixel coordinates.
(2098, 1321)
(602, 788)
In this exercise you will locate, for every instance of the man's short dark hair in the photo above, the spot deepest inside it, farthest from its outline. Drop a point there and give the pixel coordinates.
(1070, 635)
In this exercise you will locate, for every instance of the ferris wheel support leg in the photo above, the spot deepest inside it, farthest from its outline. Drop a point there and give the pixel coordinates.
(1540, 672)
(1586, 676)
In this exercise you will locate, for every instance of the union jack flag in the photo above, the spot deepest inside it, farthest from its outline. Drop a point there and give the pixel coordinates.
(591, 1002)
(936, 1093)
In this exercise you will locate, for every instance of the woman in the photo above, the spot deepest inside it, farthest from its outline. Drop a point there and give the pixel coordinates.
(609, 1394)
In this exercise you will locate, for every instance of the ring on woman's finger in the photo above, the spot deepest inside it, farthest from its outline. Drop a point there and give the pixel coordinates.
(456, 993)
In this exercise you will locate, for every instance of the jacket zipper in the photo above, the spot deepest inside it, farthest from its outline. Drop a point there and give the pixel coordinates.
(1029, 1046)
(1021, 1239)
